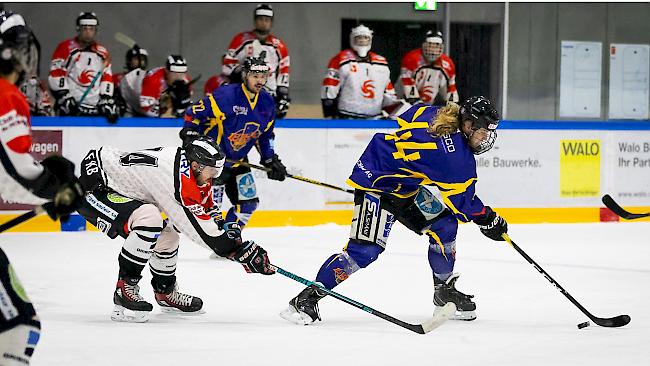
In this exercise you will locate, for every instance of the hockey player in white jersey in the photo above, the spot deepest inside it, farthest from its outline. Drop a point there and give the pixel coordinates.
(129, 190)
(357, 83)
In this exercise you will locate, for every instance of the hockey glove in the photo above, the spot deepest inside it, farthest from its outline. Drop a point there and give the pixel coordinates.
(68, 198)
(282, 102)
(330, 108)
(492, 225)
(253, 257)
(233, 231)
(188, 135)
(66, 104)
(108, 108)
(277, 170)
(180, 94)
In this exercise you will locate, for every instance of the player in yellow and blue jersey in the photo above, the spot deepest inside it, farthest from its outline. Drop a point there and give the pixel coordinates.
(431, 148)
(238, 116)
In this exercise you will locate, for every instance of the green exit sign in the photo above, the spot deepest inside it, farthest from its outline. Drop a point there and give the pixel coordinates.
(425, 5)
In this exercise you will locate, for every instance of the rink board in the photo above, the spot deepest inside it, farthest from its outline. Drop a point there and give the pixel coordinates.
(538, 171)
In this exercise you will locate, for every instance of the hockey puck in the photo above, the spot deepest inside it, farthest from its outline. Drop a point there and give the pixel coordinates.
(583, 325)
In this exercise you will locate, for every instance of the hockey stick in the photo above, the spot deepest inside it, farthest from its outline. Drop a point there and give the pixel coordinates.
(124, 39)
(22, 218)
(438, 318)
(617, 321)
(297, 177)
(620, 211)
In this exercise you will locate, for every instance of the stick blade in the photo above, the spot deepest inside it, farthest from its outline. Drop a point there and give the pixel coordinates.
(615, 322)
(609, 202)
(440, 315)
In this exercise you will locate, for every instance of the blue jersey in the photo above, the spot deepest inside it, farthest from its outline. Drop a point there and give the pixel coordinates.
(234, 121)
(401, 162)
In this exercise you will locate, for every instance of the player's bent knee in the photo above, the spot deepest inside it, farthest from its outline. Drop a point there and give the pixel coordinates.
(363, 253)
(146, 215)
(168, 240)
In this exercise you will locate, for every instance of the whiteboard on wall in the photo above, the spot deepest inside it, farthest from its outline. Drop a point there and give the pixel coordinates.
(629, 71)
(580, 78)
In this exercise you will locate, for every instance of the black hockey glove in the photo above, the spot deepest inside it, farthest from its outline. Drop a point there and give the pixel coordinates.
(108, 108)
(233, 231)
(282, 102)
(70, 195)
(188, 135)
(277, 170)
(330, 108)
(180, 94)
(66, 104)
(253, 257)
(492, 225)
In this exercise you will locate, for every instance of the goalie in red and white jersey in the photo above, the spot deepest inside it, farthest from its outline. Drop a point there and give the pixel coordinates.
(251, 44)
(357, 83)
(81, 78)
(128, 192)
(427, 74)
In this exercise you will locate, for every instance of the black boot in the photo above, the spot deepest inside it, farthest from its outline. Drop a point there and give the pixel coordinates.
(127, 297)
(446, 292)
(171, 300)
(303, 309)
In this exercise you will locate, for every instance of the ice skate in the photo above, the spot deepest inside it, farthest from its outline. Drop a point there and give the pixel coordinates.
(173, 301)
(446, 292)
(127, 297)
(303, 309)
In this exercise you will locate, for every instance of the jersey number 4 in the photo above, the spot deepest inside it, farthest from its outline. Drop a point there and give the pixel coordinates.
(138, 158)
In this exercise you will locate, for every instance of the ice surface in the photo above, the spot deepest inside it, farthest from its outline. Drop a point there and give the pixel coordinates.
(522, 319)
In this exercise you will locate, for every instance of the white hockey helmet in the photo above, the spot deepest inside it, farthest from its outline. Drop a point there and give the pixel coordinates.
(357, 43)
(432, 45)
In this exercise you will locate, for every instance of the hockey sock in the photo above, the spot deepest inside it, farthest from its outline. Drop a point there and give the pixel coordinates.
(336, 269)
(441, 260)
(163, 269)
(146, 225)
(241, 212)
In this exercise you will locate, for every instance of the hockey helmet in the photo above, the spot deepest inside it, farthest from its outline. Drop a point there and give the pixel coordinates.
(206, 153)
(176, 63)
(87, 18)
(256, 64)
(480, 111)
(263, 10)
(432, 45)
(18, 45)
(140, 53)
(361, 48)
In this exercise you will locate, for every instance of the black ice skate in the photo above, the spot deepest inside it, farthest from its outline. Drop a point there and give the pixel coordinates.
(173, 301)
(127, 296)
(446, 292)
(303, 309)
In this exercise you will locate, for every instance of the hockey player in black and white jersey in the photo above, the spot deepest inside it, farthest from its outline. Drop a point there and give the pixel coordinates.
(129, 190)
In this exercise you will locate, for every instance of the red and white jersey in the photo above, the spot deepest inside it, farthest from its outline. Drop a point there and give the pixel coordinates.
(15, 141)
(74, 68)
(154, 84)
(362, 85)
(162, 176)
(130, 87)
(214, 83)
(246, 44)
(425, 80)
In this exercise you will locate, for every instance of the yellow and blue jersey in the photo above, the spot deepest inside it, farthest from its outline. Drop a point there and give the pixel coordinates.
(235, 121)
(400, 162)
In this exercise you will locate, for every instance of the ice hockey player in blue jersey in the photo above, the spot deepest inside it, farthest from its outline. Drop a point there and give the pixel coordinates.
(238, 116)
(431, 148)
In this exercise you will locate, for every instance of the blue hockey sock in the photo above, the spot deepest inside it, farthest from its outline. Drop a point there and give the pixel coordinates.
(336, 269)
(441, 260)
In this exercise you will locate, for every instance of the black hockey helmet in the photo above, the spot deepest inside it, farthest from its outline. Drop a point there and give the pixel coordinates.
(87, 18)
(140, 53)
(18, 45)
(482, 113)
(176, 63)
(205, 151)
(256, 64)
(263, 10)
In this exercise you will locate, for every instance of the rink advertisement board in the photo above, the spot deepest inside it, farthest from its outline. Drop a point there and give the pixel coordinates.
(536, 171)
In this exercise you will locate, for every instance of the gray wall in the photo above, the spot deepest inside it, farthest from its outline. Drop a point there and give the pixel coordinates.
(536, 30)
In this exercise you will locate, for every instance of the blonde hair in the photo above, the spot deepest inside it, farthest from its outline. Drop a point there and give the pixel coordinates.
(446, 121)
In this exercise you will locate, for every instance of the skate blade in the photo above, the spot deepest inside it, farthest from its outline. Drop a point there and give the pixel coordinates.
(118, 315)
(290, 314)
(463, 315)
(174, 311)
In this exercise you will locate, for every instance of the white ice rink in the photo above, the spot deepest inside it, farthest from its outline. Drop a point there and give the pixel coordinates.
(522, 319)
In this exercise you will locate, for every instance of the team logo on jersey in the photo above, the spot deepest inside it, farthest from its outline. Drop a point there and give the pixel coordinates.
(116, 198)
(86, 77)
(340, 275)
(240, 110)
(368, 89)
(241, 138)
(426, 94)
(103, 225)
(246, 186)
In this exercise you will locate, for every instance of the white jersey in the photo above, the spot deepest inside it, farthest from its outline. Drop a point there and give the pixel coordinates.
(131, 89)
(362, 86)
(162, 177)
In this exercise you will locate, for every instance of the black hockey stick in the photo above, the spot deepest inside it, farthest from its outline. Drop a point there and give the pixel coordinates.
(620, 211)
(617, 321)
(297, 177)
(438, 318)
(22, 218)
